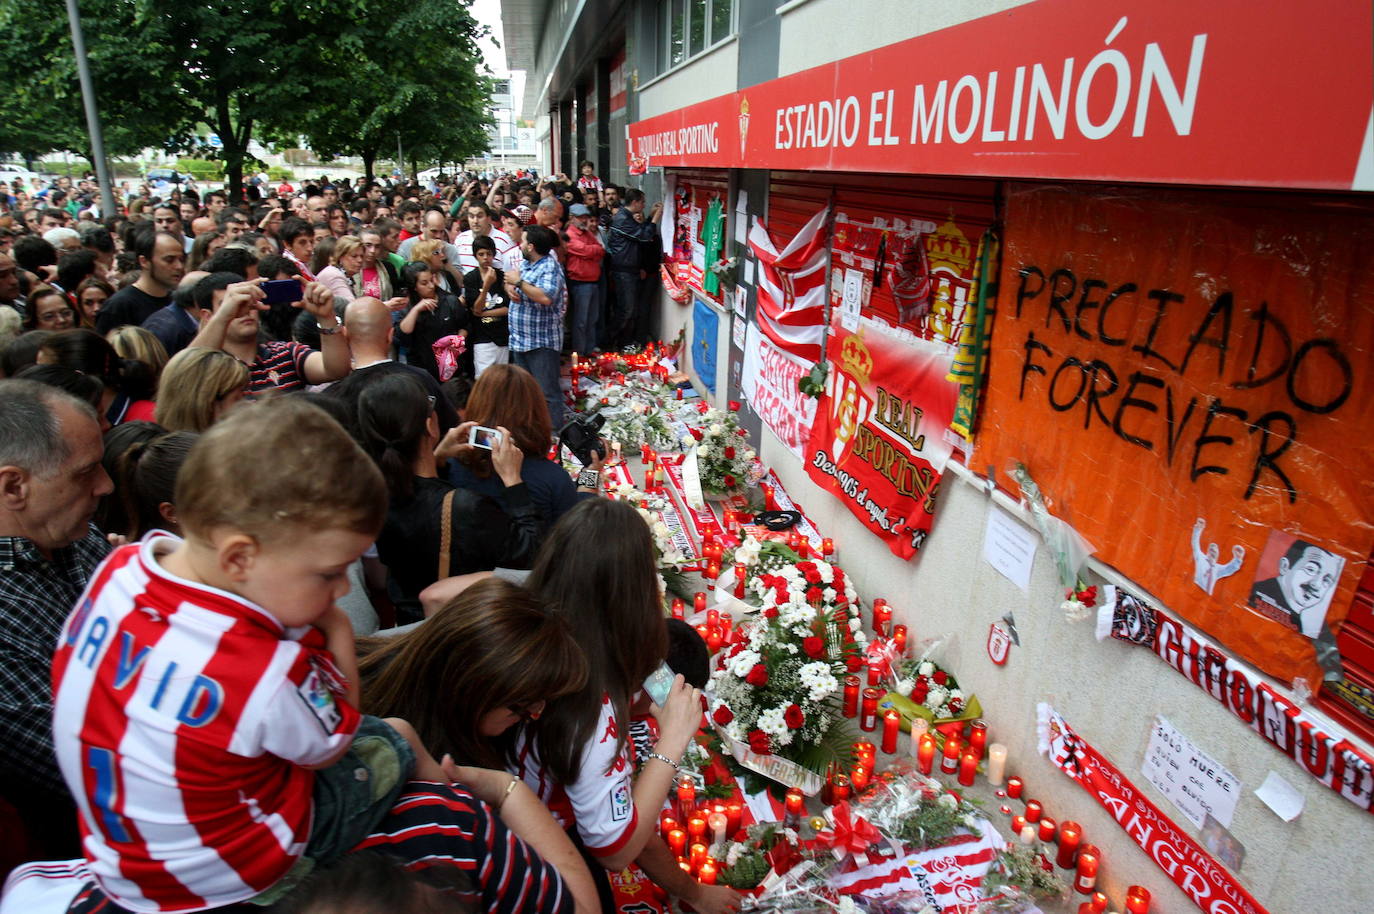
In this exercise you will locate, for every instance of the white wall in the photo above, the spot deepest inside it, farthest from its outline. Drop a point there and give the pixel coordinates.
(713, 73)
(1108, 691)
(819, 31)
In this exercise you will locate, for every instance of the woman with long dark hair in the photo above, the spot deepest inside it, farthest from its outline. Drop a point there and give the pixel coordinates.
(433, 530)
(597, 570)
(433, 314)
(496, 647)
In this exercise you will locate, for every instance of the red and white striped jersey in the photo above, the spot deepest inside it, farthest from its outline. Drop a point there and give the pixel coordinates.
(182, 718)
(601, 802)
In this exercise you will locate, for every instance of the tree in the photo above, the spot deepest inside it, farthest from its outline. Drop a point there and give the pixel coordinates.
(41, 106)
(409, 71)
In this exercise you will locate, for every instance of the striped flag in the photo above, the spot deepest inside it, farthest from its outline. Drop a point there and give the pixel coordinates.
(791, 286)
(948, 877)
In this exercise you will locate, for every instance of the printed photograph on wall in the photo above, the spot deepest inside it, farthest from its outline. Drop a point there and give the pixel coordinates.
(1294, 583)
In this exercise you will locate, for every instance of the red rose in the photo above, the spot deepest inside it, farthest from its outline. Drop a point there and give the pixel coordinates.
(696, 433)
(702, 407)
(814, 595)
(811, 574)
(729, 453)
(759, 742)
(854, 663)
(758, 676)
(771, 612)
(722, 715)
(794, 717)
(941, 677)
(1089, 596)
(733, 406)
(814, 647)
(729, 481)
(739, 646)
(955, 706)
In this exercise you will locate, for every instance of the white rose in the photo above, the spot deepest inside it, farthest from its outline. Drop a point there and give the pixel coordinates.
(947, 800)
(926, 669)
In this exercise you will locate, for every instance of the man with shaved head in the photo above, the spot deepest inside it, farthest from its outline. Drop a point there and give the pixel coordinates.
(368, 327)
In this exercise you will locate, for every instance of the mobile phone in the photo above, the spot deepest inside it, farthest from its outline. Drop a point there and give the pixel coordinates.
(279, 291)
(659, 682)
(484, 437)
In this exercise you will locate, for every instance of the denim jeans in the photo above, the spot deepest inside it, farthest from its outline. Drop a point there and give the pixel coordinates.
(543, 364)
(586, 314)
(627, 292)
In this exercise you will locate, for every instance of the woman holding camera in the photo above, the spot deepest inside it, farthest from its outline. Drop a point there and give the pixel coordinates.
(433, 530)
(508, 396)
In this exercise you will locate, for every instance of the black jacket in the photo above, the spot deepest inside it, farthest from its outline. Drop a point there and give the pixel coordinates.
(627, 240)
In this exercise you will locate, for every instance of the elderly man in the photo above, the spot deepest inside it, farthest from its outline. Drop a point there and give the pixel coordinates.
(51, 479)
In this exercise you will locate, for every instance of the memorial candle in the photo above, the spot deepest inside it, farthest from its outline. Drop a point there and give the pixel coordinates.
(740, 580)
(1034, 811)
(804, 548)
(997, 764)
(875, 673)
(734, 815)
(899, 638)
(794, 541)
(1137, 900)
(699, 602)
(1094, 905)
(712, 572)
(1028, 835)
(1047, 829)
(794, 804)
(868, 718)
(718, 824)
(679, 608)
(686, 799)
(865, 753)
(1018, 822)
(677, 840)
(851, 696)
(666, 822)
(707, 874)
(696, 828)
(1014, 787)
(925, 755)
(892, 725)
(859, 777)
(978, 737)
(712, 618)
(827, 548)
(882, 618)
(697, 856)
(968, 767)
(1070, 834)
(714, 640)
(949, 764)
(1086, 876)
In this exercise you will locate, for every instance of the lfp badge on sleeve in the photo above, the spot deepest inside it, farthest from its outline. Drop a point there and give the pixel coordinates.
(999, 643)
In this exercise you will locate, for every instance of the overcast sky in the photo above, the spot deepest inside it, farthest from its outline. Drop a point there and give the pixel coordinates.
(488, 12)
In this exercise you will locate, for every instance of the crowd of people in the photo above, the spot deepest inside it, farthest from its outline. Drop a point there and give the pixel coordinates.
(280, 627)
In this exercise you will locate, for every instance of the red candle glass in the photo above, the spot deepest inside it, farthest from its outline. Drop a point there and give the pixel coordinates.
(739, 580)
(925, 754)
(1034, 811)
(892, 725)
(875, 673)
(794, 803)
(1014, 787)
(827, 548)
(899, 638)
(978, 737)
(679, 608)
(1070, 834)
(1137, 900)
(851, 696)
(865, 753)
(859, 777)
(707, 874)
(949, 764)
(839, 788)
(868, 719)
(1086, 876)
(804, 547)
(714, 640)
(697, 856)
(712, 618)
(882, 618)
(1047, 829)
(1094, 905)
(677, 840)
(968, 767)
(686, 799)
(734, 816)
(699, 602)
(666, 822)
(1018, 822)
(696, 828)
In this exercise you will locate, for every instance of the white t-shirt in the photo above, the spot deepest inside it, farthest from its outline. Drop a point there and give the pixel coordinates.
(504, 247)
(601, 802)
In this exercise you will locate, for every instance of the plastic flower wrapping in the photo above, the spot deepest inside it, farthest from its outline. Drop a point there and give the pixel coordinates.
(725, 460)
(922, 687)
(633, 411)
(776, 689)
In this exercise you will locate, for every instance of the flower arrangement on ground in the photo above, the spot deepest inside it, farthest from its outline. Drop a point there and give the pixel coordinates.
(633, 412)
(776, 689)
(931, 687)
(724, 458)
(754, 852)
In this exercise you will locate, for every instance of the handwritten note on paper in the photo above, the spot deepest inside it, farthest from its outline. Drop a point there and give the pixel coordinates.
(1192, 780)
(1009, 547)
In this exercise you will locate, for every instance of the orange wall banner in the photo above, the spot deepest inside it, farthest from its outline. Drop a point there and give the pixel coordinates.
(1188, 378)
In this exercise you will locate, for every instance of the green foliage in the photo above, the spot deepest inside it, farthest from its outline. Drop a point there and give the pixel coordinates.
(278, 173)
(1022, 868)
(350, 75)
(201, 169)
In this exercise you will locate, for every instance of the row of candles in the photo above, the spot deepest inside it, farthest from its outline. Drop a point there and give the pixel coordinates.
(694, 828)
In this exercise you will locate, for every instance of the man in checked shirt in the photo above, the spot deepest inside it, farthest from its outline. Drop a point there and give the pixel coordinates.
(51, 479)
